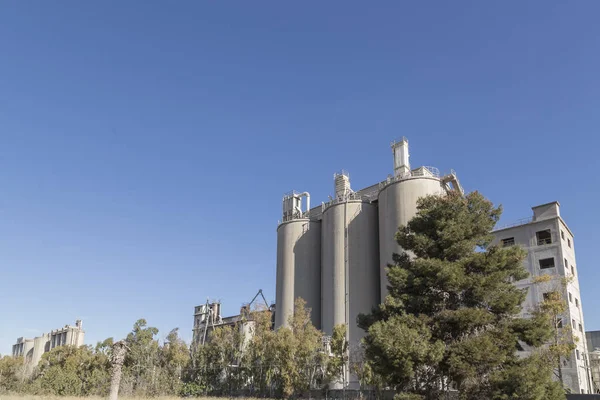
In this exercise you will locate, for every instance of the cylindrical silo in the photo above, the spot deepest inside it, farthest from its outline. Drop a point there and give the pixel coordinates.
(350, 264)
(397, 206)
(298, 269)
(307, 271)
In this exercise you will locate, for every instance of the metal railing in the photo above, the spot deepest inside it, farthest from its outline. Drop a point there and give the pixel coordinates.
(395, 142)
(342, 172)
(342, 199)
(293, 216)
(508, 242)
(543, 241)
(290, 194)
(421, 171)
(521, 221)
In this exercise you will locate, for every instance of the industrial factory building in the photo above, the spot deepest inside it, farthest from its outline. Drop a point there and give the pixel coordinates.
(334, 255)
(32, 349)
(551, 250)
(207, 317)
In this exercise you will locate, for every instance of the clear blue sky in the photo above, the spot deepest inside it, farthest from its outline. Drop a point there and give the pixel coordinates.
(145, 146)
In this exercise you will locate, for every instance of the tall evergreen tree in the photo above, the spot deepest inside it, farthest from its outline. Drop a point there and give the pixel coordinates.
(450, 320)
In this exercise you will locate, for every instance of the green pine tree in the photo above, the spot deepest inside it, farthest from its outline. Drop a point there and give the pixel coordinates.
(450, 320)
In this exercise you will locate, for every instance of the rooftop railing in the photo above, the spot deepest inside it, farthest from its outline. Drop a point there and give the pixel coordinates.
(421, 171)
(521, 221)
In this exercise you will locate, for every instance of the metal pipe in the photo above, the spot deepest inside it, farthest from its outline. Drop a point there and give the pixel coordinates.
(307, 195)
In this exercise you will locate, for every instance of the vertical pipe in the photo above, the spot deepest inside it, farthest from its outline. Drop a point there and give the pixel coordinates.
(346, 287)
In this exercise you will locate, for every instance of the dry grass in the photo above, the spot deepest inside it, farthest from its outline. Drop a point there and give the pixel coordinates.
(30, 397)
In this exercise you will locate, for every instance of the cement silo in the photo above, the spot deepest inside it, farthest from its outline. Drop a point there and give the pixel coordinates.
(298, 260)
(398, 202)
(349, 259)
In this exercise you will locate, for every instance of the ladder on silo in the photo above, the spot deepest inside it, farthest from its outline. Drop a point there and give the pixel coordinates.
(451, 182)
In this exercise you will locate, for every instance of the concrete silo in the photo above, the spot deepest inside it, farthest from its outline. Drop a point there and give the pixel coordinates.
(298, 260)
(398, 201)
(349, 259)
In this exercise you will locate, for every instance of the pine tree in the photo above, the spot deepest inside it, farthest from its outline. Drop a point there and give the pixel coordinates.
(450, 320)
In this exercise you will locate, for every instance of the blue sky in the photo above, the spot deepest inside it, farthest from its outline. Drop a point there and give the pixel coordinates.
(145, 146)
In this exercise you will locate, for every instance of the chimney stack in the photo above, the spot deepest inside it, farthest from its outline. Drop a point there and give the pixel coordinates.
(401, 163)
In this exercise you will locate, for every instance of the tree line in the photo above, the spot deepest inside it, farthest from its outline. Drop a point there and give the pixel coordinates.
(450, 323)
(266, 363)
(151, 368)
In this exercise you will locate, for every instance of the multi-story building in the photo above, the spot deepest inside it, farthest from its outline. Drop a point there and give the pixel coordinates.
(334, 255)
(551, 250)
(594, 357)
(32, 349)
(593, 345)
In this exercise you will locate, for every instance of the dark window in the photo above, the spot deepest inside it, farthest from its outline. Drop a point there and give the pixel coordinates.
(547, 263)
(569, 242)
(508, 242)
(570, 297)
(566, 265)
(574, 324)
(580, 328)
(562, 235)
(576, 302)
(543, 237)
(549, 296)
(577, 352)
(573, 270)
(559, 324)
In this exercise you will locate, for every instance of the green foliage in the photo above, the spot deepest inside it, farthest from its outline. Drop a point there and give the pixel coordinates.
(451, 316)
(73, 371)
(363, 369)
(336, 365)
(401, 349)
(192, 389)
(261, 356)
(527, 379)
(562, 341)
(150, 368)
(408, 396)
(300, 347)
(282, 363)
(139, 369)
(174, 357)
(12, 374)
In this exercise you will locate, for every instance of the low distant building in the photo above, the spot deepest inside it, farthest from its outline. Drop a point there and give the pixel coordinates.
(208, 316)
(593, 340)
(593, 345)
(32, 349)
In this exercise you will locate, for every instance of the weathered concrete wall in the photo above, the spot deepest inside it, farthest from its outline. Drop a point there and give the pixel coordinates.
(561, 249)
